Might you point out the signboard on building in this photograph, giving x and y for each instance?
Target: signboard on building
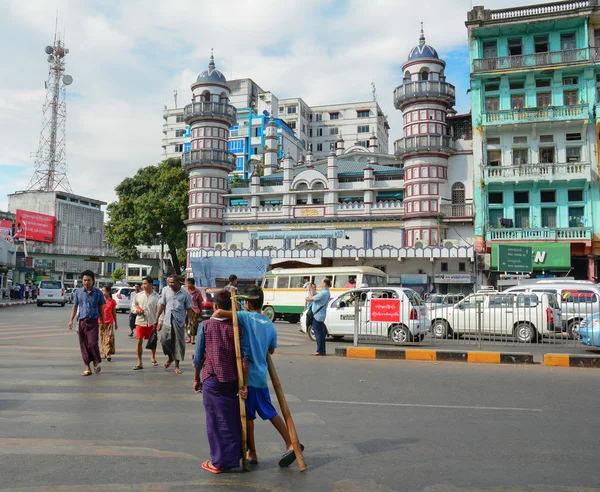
(308, 212)
(545, 256)
(513, 258)
(6, 230)
(414, 279)
(385, 310)
(453, 278)
(31, 226)
(297, 234)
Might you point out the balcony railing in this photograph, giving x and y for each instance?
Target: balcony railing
(545, 234)
(570, 170)
(534, 60)
(532, 115)
(425, 143)
(195, 157)
(457, 210)
(424, 89)
(205, 109)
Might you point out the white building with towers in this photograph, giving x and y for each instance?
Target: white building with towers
(409, 214)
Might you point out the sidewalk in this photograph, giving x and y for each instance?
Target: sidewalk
(9, 303)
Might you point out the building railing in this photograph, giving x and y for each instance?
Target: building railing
(206, 108)
(424, 143)
(455, 210)
(530, 115)
(425, 88)
(531, 10)
(558, 234)
(534, 60)
(359, 206)
(569, 170)
(194, 157)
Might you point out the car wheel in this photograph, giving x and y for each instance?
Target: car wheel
(525, 333)
(269, 312)
(400, 334)
(439, 328)
(337, 338)
(311, 334)
(573, 329)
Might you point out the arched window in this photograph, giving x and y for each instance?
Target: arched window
(458, 193)
(406, 76)
(318, 186)
(424, 74)
(224, 98)
(301, 187)
(206, 96)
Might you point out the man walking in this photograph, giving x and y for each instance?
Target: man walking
(132, 315)
(218, 383)
(319, 309)
(262, 339)
(176, 304)
(194, 318)
(87, 306)
(233, 281)
(145, 305)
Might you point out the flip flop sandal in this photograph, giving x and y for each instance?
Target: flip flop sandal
(167, 364)
(86, 373)
(289, 457)
(108, 358)
(253, 462)
(178, 371)
(154, 363)
(138, 368)
(97, 369)
(208, 466)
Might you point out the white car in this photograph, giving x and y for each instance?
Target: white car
(51, 292)
(412, 323)
(122, 294)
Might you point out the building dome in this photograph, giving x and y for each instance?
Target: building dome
(422, 50)
(211, 75)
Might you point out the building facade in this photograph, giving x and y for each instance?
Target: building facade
(175, 139)
(534, 84)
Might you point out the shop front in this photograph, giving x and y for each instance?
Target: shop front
(454, 283)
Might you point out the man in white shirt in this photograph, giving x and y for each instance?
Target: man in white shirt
(144, 306)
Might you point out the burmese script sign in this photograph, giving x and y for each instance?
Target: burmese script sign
(385, 310)
(31, 226)
(297, 234)
(300, 212)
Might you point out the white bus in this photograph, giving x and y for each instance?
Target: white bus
(285, 294)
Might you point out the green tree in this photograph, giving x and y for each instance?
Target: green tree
(151, 204)
(118, 274)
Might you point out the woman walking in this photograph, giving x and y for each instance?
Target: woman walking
(107, 331)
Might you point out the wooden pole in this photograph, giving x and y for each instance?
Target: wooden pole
(240, 371)
(287, 415)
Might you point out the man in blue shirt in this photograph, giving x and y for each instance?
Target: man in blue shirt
(319, 309)
(262, 339)
(88, 305)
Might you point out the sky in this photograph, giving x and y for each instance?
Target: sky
(128, 56)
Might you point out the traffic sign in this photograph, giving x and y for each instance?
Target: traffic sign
(515, 258)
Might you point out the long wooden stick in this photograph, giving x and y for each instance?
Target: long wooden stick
(287, 415)
(240, 371)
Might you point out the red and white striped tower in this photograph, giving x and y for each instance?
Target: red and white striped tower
(208, 161)
(424, 99)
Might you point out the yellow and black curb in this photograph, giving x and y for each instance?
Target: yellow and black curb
(435, 355)
(572, 360)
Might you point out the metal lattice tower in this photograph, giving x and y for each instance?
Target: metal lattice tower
(50, 159)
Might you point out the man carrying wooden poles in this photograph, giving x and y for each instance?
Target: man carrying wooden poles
(262, 341)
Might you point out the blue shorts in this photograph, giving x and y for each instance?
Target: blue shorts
(259, 401)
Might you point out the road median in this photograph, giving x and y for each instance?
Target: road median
(572, 360)
(4, 304)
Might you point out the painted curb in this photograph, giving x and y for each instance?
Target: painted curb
(12, 304)
(436, 355)
(572, 360)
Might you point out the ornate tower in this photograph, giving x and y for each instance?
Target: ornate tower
(424, 99)
(208, 161)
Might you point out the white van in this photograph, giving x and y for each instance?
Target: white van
(577, 299)
(524, 316)
(341, 311)
(51, 292)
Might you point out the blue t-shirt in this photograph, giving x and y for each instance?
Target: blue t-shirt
(262, 336)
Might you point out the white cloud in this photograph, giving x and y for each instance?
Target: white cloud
(127, 57)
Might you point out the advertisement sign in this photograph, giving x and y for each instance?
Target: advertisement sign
(6, 230)
(297, 234)
(515, 258)
(31, 226)
(545, 256)
(453, 278)
(385, 310)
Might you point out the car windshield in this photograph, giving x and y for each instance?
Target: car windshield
(435, 299)
(414, 298)
(47, 284)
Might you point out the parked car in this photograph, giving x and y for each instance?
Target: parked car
(412, 325)
(577, 299)
(122, 295)
(524, 316)
(434, 301)
(51, 292)
(69, 292)
(589, 331)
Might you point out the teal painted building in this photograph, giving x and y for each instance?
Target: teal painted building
(535, 80)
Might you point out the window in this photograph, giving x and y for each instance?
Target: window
(517, 85)
(319, 132)
(495, 197)
(521, 197)
(570, 98)
(573, 136)
(567, 41)
(283, 282)
(319, 147)
(362, 128)
(292, 110)
(549, 217)
(178, 147)
(303, 128)
(520, 140)
(570, 80)
(520, 156)
(548, 196)
(281, 109)
(490, 49)
(424, 75)
(291, 124)
(514, 47)
(541, 44)
(575, 195)
(333, 131)
(318, 116)
(493, 141)
(365, 113)
(179, 133)
(517, 102)
(492, 87)
(546, 138)
(458, 193)
(310, 133)
(462, 266)
(334, 116)
(364, 143)
(597, 37)
(492, 103)
(179, 118)
(576, 216)
(494, 158)
(495, 216)
(573, 154)
(544, 100)
(444, 266)
(522, 218)
(543, 83)
(547, 155)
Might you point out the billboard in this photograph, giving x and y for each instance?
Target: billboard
(32, 226)
(6, 230)
(385, 310)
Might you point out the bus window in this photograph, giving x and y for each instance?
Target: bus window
(374, 280)
(268, 283)
(283, 282)
(344, 281)
(297, 282)
(319, 278)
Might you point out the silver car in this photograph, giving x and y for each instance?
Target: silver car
(122, 294)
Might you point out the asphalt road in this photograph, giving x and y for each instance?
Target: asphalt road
(367, 424)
